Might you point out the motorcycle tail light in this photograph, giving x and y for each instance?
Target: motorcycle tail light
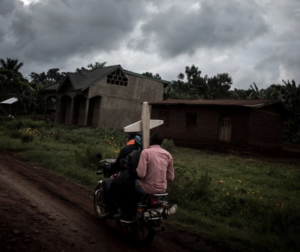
(154, 201)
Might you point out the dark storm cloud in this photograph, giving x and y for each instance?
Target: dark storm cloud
(6, 6)
(57, 29)
(216, 24)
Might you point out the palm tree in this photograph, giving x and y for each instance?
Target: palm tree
(11, 64)
(96, 65)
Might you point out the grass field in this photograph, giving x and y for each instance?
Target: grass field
(241, 203)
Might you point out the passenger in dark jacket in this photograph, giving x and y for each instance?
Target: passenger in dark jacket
(130, 146)
(111, 186)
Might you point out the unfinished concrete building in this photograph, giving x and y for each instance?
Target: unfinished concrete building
(108, 96)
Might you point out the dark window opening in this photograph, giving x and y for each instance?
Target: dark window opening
(117, 78)
(191, 119)
(165, 115)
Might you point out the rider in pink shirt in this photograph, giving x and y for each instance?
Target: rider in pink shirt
(155, 168)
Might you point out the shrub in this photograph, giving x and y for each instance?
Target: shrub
(168, 145)
(87, 157)
(2, 111)
(27, 138)
(16, 134)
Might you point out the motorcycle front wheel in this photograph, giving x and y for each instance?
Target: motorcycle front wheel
(143, 233)
(99, 202)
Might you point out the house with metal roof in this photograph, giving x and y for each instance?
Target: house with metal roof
(10, 105)
(221, 123)
(108, 96)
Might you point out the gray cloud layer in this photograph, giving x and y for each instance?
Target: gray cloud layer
(255, 40)
(213, 26)
(54, 30)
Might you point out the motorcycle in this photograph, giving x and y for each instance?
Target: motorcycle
(151, 210)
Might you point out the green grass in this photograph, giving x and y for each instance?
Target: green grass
(245, 202)
(242, 203)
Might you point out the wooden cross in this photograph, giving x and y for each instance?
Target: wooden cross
(144, 125)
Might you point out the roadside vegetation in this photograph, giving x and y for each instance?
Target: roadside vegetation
(243, 203)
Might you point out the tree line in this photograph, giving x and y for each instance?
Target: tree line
(189, 85)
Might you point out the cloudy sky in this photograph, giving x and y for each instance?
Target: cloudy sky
(253, 40)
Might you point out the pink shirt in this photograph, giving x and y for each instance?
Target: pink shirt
(155, 169)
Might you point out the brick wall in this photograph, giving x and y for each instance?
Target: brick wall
(249, 127)
(266, 127)
(240, 118)
(206, 131)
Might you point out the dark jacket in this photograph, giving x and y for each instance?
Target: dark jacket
(116, 167)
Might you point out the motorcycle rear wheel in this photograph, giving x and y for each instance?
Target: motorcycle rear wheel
(143, 233)
(99, 202)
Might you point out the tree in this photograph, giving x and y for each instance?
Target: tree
(96, 65)
(292, 102)
(198, 87)
(53, 76)
(11, 81)
(289, 95)
(11, 64)
(151, 75)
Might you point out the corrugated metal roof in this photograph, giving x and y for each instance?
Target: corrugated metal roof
(10, 101)
(242, 103)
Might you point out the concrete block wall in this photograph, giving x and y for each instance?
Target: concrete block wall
(122, 105)
(138, 88)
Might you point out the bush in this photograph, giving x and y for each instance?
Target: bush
(27, 138)
(16, 134)
(2, 111)
(87, 157)
(168, 145)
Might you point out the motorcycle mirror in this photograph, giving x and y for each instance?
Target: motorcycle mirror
(99, 157)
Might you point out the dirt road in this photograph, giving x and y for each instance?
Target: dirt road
(40, 211)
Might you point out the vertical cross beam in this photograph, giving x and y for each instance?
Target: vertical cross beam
(146, 125)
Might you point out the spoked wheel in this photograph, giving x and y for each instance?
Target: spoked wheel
(143, 233)
(99, 202)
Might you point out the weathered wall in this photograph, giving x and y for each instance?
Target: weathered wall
(240, 118)
(249, 127)
(121, 105)
(118, 113)
(204, 134)
(138, 88)
(266, 127)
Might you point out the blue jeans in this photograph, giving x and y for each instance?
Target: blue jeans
(138, 188)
